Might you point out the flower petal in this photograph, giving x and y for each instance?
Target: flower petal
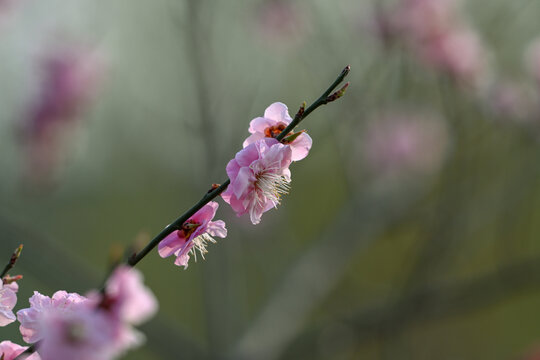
(170, 244)
(258, 125)
(300, 147)
(278, 112)
(217, 228)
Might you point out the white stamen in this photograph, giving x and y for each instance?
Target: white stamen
(200, 243)
(272, 186)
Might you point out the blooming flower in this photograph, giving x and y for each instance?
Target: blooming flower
(83, 334)
(195, 234)
(32, 328)
(127, 297)
(275, 120)
(8, 299)
(9, 351)
(259, 175)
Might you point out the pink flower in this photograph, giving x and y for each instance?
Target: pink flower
(8, 299)
(459, 52)
(82, 334)
(532, 58)
(129, 300)
(275, 120)
(69, 82)
(259, 175)
(32, 328)
(9, 351)
(398, 145)
(196, 232)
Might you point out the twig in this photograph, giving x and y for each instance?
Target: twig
(12, 261)
(177, 224)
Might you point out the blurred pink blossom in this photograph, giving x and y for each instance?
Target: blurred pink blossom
(31, 327)
(127, 298)
(511, 100)
(404, 144)
(83, 334)
(275, 120)
(196, 232)
(71, 75)
(259, 175)
(439, 34)
(280, 21)
(532, 59)
(8, 299)
(9, 351)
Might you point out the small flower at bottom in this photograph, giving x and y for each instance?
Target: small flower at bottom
(194, 235)
(275, 120)
(31, 327)
(259, 175)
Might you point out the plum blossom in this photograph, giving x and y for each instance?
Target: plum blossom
(9, 351)
(71, 75)
(8, 299)
(84, 334)
(259, 176)
(275, 120)
(532, 59)
(401, 144)
(195, 234)
(439, 34)
(32, 328)
(127, 297)
(96, 327)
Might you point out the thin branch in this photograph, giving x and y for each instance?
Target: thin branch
(13, 259)
(177, 224)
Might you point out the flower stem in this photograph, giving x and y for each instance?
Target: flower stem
(177, 224)
(12, 260)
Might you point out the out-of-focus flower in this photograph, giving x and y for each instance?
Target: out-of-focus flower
(70, 79)
(9, 351)
(460, 53)
(32, 328)
(275, 120)
(397, 145)
(511, 100)
(84, 334)
(196, 232)
(532, 59)
(439, 34)
(259, 175)
(97, 327)
(8, 299)
(127, 298)
(280, 21)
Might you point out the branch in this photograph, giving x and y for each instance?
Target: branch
(12, 261)
(301, 115)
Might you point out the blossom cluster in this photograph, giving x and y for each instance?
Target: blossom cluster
(440, 35)
(100, 324)
(259, 175)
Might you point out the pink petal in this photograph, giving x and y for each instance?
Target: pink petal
(243, 182)
(170, 244)
(182, 260)
(258, 125)
(278, 112)
(253, 138)
(206, 213)
(300, 147)
(217, 228)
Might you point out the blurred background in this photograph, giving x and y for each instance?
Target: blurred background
(412, 228)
